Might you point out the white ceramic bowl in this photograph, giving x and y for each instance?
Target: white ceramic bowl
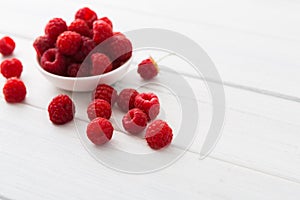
(85, 84)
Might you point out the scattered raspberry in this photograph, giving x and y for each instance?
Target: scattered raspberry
(148, 69)
(80, 26)
(101, 31)
(55, 27)
(99, 131)
(61, 109)
(54, 62)
(149, 103)
(158, 134)
(100, 64)
(68, 42)
(99, 108)
(42, 44)
(11, 68)
(126, 99)
(105, 92)
(87, 46)
(88, 15)
(135, 121)
(107, 20)
(14, 90)
(7, 46)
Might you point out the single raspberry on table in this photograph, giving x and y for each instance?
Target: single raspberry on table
(7, 46)
(99, 131)
(55, 27)
(69, 42)
(158, 134)
(88, 15)
(126, 99)
(14, 90)
(135, 121)
(149, 103)
(61, 109)
(99, 108)
(101, 31)
(11, 68)
(87, 46)
(107, 20)
(100, 64)
(148, 68)
(54, 62)
(42, 44)
(80, 26)
(105, 92)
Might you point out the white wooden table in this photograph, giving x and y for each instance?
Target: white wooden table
(255, 46)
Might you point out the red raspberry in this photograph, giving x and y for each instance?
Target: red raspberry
(158, 134)
(42, 44)
(7, 46)
(87, 46)
(148, 69)
(100, 64)
(99, 131)
(135, 121)
(126, 99)
(101, 31)
(11, 68)
(149, 103)
(78, 70)
(68, 42)
(106, 93)
(14, 90)
(107, 20)
(99, 108)
(88, 15)
(55, 27)
(61, 109)
(54, 62)
(80, 26)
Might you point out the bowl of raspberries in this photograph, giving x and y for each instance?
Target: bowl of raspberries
(83, 54)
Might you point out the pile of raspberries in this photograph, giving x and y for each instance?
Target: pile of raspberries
(88, 46)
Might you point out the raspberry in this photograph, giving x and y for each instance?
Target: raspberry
(14, 90)
(100, 64)
(149, 103)
(80, 26)
(135, 121)
(68, 42)
(158, 134)
(55, 27)
(61, 109)
(126, 99)
(99, 108)
(54, 62)
(87, 46)
(42, 44)
(148, 69)
(99, 131)
(78, 70)
(107, 20)
(11, 68)
(7, 46)
(101, 31)
(88, 15)
(106, 93)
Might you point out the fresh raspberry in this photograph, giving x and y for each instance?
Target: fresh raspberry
(88, 15)
(100, 64)
(101, 31)
(55, 27)
(107, 20)
(54, 62)
(99, 131)
(135, 121)
(68, 42)
(99, 108)
(126, 99)
(158, 134)
(7, 46)
(11, 68)
(149, 103)
(80, 26)
(78, 70)
(87, 46)
(42, 44)
(14, 90)
(61, 109)
(148, 69)
(105, 92)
